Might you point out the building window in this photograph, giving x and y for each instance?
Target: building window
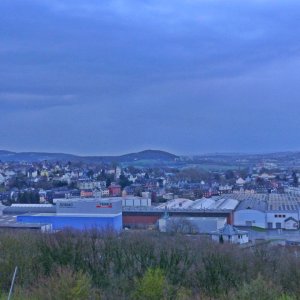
(276, 216)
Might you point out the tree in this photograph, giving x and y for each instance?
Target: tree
(152, 286)
(102, 175)
(229, 174)
(90, 173)
(257, 289)
(295, 179)
(108, 182)
(221, 239)
(62, 284)
(181, 225)
(28, 197)
(123, 181)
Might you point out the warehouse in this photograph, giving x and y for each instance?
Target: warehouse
(179, 203)
(81, 214)
(282, 213)
(269, 211)
(130, 201)
(251, 212)
(215, 203)
(191, 224)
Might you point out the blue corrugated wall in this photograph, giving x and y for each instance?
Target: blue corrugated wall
(61, 222)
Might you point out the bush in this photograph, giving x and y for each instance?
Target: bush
(63, 284)
(152, 286)
(257, 289)
(143, 265)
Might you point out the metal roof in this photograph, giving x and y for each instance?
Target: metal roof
(229, 230)
(268, 202)
(31, 205)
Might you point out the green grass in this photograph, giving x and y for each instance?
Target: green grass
(259, 229)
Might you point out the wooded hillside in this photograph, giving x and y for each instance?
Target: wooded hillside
(143, 265)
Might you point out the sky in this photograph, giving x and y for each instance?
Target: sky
(97, 77)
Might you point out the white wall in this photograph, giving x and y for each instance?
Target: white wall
(136, 201)
(235, 239)
(291, 225)
(281, 216)
(256, 217)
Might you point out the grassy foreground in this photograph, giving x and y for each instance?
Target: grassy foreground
(143, 265)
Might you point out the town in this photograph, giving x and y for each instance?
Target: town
(149, 151)
(258, 196)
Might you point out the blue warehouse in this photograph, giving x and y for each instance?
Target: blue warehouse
(103, 214)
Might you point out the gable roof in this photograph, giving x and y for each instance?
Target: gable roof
(229, 230)
(290, 219)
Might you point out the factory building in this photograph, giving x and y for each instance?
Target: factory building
(282, 213)
(269, 211)
(199, 216)
(131, 201)
(104, 214)
(177, 203)
(251, 212)
(215, 203)
(191, 224)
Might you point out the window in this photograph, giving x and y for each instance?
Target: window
(276, 216)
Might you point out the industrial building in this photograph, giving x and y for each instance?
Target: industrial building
(191, 224)
(215, 203)
(104, 214)
(218, 203)
(129, 201)
(269, 211)
(251, 212)
(199, 216)
(177, 203)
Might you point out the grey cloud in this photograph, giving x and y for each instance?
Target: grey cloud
(201, 72)
(16, 101)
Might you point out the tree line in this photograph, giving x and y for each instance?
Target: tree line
(143, 265)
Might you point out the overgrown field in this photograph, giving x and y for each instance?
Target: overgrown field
(143, 265)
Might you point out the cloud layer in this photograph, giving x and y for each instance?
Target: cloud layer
(101, 77)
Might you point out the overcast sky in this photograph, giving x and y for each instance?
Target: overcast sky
(115, 76)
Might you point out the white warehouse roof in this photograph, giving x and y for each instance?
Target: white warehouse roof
(218, 203)
(177, 203)
(30, 205)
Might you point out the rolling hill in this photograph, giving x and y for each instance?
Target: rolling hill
(146, 155)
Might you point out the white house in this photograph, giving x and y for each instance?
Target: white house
(291, 224)
(240, 181)
(104, 192)
(230, 234)
(2, 178)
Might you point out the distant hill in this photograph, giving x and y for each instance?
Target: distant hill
(146, 155)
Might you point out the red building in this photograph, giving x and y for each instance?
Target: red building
(86, 193)
(114, 190)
